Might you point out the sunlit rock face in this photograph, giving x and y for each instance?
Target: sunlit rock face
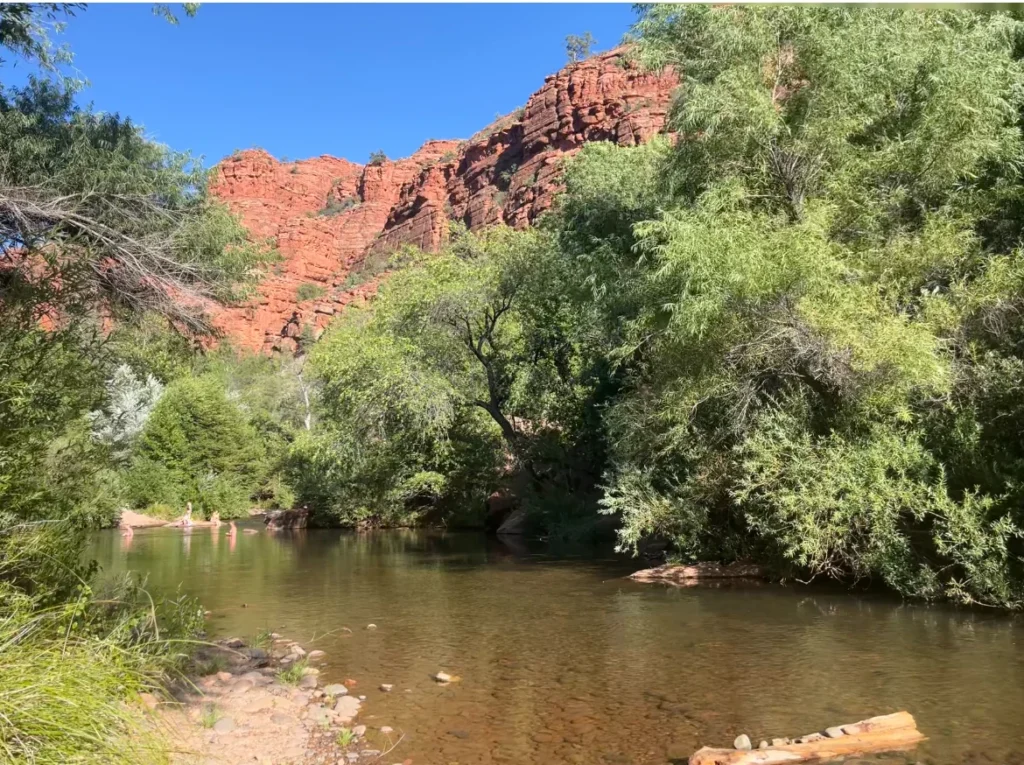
(326, 215)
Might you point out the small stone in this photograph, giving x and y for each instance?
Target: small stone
(742, 742)
(297, 650)
(352, 756)
(308, 682)
(834, 732)
(763, 745)
(371, 626)
(256, 654)
(386, 729)
(224, 676)
(224, 725)
(242, 686)
(443, 677)
(314, 655)
(336, 689)
(234, 643)
(310, 671)
(780, 741)
(350, 683)
(359, 730)
(369, 753)
(275, 636)
(386, 687)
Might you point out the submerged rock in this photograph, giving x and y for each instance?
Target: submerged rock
(336, 689)
(742, 742)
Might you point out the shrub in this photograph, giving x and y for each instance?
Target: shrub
(377, 158)
(309, 291)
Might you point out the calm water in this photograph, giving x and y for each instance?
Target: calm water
(564, 661)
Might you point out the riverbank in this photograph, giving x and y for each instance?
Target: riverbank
(266, 705)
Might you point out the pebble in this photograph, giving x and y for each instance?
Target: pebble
(297, 650)
(224, 676)
(386, 729)
(834, 732)
(362, 698)
(314, 655)
(336, 689)
(308, 682)
(371, 626)
(386, 687)
(763, 745)
(224, 725)
(352, 756)
(234, 643)
(742, 742)
(359, 730)
(443, 677)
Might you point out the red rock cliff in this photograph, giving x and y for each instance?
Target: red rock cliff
(327, 215)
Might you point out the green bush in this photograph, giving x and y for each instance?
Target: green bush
(309, 291)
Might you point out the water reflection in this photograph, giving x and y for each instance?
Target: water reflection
(563, 661)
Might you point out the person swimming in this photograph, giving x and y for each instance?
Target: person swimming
(232, 531)
(187, 520)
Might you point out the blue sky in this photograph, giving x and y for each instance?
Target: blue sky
(305, 80)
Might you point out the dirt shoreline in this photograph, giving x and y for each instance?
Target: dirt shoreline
(267, 706)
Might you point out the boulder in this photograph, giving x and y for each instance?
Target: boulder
(287, 519)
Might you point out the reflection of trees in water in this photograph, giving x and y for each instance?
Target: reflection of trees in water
(546, 643)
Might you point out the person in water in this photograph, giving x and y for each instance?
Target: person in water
(187, 520)
(232, 531)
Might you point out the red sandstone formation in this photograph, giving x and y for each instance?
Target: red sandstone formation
(327, 215)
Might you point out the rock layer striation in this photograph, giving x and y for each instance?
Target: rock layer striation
(334, 222)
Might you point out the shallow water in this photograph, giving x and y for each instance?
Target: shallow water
(563, 661)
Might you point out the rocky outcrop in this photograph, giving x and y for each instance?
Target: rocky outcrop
(335, 222)
(287, 519)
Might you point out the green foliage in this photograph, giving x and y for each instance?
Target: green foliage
(791, 336)
(377, 158)
(309, 291)
(579, 47)
(336, 206)
(294, 673)
(345, 737)
(209, 715)
(197, 446)
(802, 337)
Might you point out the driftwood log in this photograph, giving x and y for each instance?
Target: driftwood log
(698, 572)
(877, 734)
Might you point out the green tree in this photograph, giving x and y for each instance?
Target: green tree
(579, 47)
(197, 446)
(808, 295)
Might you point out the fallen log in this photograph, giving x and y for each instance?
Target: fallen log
(697, 572)
(877, 734)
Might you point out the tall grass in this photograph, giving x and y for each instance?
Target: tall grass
(73, 660)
